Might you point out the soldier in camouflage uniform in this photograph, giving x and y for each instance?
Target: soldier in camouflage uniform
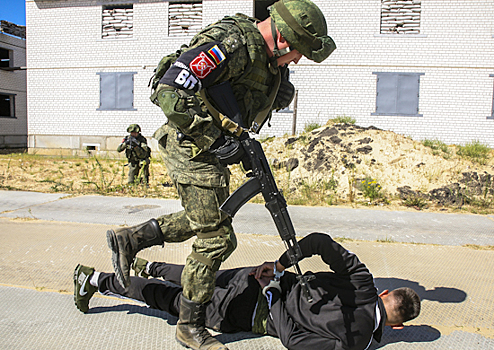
(137, 152)
(248, 58)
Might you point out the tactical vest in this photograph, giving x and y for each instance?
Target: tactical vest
(256, 80)
(259, 76)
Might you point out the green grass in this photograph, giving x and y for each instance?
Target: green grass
(309, 126)
(475, 151)
(438, 148)
(415, 202)
(370, 188)
(342, 119)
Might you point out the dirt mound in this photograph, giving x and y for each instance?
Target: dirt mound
(356, 164)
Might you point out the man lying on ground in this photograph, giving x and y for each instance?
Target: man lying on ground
(346, 311)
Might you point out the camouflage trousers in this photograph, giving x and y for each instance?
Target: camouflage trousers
(202, 185)
(135, 168)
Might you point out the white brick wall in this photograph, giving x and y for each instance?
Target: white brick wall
(13, 131)
(454, 51)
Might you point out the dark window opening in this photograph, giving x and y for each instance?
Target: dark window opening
(261, 11)
(5, 59)
(7, 105)
(90, 148)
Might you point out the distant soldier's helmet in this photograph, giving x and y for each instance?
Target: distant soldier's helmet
(303, 25)
(134, 128)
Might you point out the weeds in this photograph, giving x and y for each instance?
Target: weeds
(316, 193)
(475, 151)
(309, 126)
(386, 240)
(370, 188)
(438, 148)
(416, 202)
(342, 119)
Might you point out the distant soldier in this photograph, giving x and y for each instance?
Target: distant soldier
(138, 154)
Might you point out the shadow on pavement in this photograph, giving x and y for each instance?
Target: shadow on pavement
(409, 334)
(135, 309)
(439, 294)
(171, 320)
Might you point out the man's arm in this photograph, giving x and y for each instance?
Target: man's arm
(122, 146)
(292, 336)
(339, 259)
(194, 70)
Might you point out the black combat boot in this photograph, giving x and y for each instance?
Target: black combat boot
(191, 329)
(127, 241)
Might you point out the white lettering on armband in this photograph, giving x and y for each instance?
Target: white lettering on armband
(186, 79)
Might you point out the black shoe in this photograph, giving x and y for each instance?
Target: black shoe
(126, 242)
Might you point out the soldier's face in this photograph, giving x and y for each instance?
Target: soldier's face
(293, 56)
(134, 134)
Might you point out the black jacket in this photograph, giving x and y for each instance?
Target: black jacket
(342, 313)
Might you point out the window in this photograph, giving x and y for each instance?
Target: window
(184, 18)
(7, 104)
(400, 16)
(261, 9)
(117, 91)
(117, 22)
(5, 58)
(492, 110)
(397, 94)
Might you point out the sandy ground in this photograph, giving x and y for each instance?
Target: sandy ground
(338, 164)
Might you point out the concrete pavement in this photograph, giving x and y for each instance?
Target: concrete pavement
(44, 236)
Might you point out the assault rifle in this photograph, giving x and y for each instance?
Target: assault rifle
(131, 141)
(261, 181)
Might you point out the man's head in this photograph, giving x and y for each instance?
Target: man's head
(402, 304)
(134, 129)
(302, 24)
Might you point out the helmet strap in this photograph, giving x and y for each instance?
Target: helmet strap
(277, 52)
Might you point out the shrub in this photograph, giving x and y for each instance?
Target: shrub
(343, 119)
(311, 126)
(475, 151)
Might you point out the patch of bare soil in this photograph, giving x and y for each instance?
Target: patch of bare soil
(349, 164)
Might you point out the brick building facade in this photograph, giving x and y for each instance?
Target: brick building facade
(13, 105)
(420, 68)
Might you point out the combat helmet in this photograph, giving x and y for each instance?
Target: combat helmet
(303, 25)
(134, 128)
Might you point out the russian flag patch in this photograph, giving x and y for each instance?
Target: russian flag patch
(217, 54)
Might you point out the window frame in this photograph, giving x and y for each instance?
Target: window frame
(118, 34)
(399, 88)
(12, 105)
(10, 53)
(106, 96)
(172, 30)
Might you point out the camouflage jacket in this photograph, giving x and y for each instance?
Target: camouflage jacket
(233, 50)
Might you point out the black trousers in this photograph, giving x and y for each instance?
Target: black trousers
(230, 310)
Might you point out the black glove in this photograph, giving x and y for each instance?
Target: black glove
(229, 150)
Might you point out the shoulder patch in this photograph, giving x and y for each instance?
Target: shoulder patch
(217, 54)
(202, 65)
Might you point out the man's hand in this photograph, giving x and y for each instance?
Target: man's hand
(264, 270)
(228, 150)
